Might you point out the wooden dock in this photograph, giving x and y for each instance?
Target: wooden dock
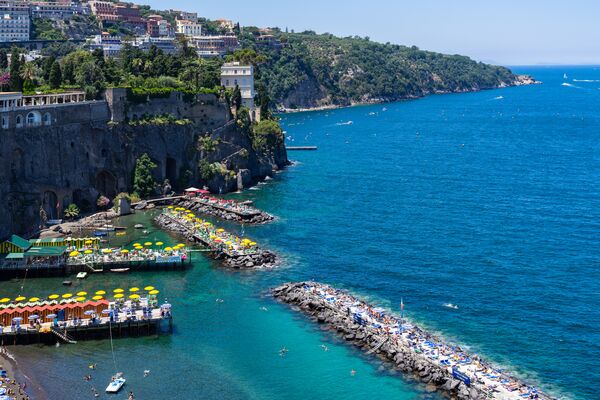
(295, 148)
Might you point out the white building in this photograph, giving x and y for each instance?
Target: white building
(189, 28)
(14, 22)
(234, 74)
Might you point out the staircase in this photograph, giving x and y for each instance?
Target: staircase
(63, 336)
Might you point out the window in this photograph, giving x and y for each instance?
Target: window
(30, 118)
(4, 122)
(19, 121)
(47, 119)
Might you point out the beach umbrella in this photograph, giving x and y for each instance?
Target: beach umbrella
(134, 289)
(170, 207)
(96, 298)
(118, 296)
(106, 250)
(188, 211)
(50, 316)
(106, 311)
(100, 292)
(20, 298)
(32, 317)
(252, 243)
(148, 244)
(124, 251)
(134, 296)
(168, 249)
(17, 319)
(67, 295)
(136, 245)
(166, 305)
(159, 243)
(88, 312)
(88, 252)
(4, 300)
(80, 299)
(74, 254)
(82, 293)
(53, 296)
(88, 242)
(118, 290)
(153, 292)
(220, 230)
(34, 299)
(149, 288)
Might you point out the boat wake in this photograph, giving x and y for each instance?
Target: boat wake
(450, 305)
(345, 123)
(586, 80)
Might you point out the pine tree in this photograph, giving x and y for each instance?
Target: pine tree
(55, 77)
(236, 98)
(3, 59)
(143, 181)
(16, 82)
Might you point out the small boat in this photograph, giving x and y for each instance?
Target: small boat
(116, 384)
(119, 270)
(122, 233)
(100, 234)
(138, 226)
(106, 228)
(67, 283)
(565, 76)
(81, 275)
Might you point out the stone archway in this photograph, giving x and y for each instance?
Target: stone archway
(50, 204)
(106, 184)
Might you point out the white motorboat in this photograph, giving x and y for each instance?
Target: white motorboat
(81, 275)
(116, 384)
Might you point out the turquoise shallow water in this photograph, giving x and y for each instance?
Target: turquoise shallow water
(487, 200)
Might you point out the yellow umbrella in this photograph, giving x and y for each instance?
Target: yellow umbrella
(118, 295)
(100, 292)
(88, 242)
(136, 245)
(82, 293)
(188, 211)
(4, 300)
(124, 251)
(97, 298)
(153, 292)
(169, 207)
(148, 244)
(134, 289)
(88, 252)
(159, 243)
(53, 296)
(74, 254)
(149, 288)
(20, 298)
(168, 249)
(220, 230)
(118, 290)
(134, 296)
(67, 295)
(106, 250)
(80, 299)
(34, 299)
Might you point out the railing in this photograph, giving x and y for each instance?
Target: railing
(63, 335)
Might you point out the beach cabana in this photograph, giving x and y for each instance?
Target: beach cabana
(15, 244)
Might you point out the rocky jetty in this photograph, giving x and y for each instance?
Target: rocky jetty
(260, 259)
(253, 218)
(403, 348)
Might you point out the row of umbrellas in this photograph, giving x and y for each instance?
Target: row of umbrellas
(81, 296)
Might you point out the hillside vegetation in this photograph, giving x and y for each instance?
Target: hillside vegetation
(313, 70)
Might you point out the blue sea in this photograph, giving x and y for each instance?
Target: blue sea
(489, 201)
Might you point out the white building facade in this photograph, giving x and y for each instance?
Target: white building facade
(14, 22)
(189, 28)
(235, 74)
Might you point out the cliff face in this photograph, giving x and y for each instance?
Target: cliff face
(90, 149)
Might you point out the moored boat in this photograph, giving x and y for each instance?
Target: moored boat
(116, 383)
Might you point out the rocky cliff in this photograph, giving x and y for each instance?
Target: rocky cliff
(89, 149)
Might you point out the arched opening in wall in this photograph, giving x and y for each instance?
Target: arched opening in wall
(4, 122)
(171, 170)
(106, 184)
(19, 121)
(50, 204)
(47, 119)
(17, 165)
(34, 118)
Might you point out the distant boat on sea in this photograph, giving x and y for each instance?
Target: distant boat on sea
(565, 76)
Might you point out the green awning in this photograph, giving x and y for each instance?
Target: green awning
(14, 256)
(46, 241)
(46, 251)
(20, 242)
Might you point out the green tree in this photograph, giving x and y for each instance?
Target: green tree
(143, 181)
(266, 135)
(3, 59)
(236, 98)
(16, 82)
(55, 77)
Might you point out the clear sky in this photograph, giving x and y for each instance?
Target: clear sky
(509, 32)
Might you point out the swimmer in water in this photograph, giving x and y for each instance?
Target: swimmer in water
(264, 309)
(325, 348)
(352, 372)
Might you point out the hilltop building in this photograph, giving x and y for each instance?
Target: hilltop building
(235, 74)
(184, 15)
(15, 22)
(214, 46)
(188, 28)
(157, 26)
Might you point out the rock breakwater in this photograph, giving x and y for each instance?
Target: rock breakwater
(407, 347)
(235, 212)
